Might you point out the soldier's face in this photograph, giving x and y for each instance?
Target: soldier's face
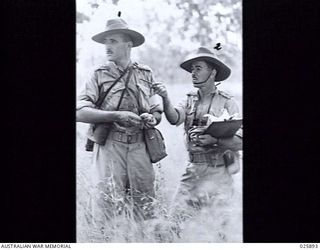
(116, 47)
(200, 72)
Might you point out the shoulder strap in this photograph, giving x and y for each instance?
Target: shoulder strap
(104, 94)
(196, 107)
(211, 103)
(125, 88)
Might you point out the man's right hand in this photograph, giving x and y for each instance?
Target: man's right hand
(128, 119)
(160, 89)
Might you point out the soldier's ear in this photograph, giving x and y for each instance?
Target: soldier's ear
(214, 72)
(130, 44)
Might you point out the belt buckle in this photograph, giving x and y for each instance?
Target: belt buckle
(215, 161)
(191, 156)
(129, 138)
(120, 136)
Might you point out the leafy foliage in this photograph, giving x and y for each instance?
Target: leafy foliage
(173, 34)
(80, 18)
(207, 22)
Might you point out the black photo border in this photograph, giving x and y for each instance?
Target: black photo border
(281, 71)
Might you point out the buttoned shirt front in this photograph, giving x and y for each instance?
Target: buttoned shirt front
(193, 109)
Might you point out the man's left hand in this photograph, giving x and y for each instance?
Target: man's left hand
(205, 140)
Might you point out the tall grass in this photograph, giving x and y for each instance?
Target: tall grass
(207, 226)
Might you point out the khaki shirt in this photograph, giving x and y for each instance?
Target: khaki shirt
(191, 109)
(138, 99)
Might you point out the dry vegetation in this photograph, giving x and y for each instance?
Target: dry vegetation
(203, 228)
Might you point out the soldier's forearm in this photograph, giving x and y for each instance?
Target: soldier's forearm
(170, 112)
(157, 116)
(91, 115)
(232, 143)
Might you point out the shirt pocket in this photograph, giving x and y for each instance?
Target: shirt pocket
(191, 106)
(216, 111)
(113, 97)
(145, 89)
(190, 113)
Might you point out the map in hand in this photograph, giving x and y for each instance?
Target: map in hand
(224, 125)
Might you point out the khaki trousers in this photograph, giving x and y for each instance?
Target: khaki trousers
(204, 189)
(122, 175)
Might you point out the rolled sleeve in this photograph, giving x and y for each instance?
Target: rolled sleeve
(83, 103)
(155, 104)
(232, 107)
(155, 101)
(89, 94)
(181, 111)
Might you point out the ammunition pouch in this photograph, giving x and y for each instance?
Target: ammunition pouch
(232, 161)
(155, 144)
(212, 158)
(97, 133)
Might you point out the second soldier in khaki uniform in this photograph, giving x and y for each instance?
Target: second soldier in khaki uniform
(207, 180)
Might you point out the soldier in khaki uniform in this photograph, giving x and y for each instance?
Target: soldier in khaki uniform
(121, 166)
(207, 181)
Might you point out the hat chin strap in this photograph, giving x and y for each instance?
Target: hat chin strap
(200, 83)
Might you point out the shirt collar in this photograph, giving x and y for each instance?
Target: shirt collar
(114, 67)
(121, 70)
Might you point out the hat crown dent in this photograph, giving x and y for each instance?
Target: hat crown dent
(203, 53)
(200, 52)
(203, 50)
(116, 24)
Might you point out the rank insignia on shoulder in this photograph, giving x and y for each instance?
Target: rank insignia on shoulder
(225, 94)
(103, 67)
(142, 67)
